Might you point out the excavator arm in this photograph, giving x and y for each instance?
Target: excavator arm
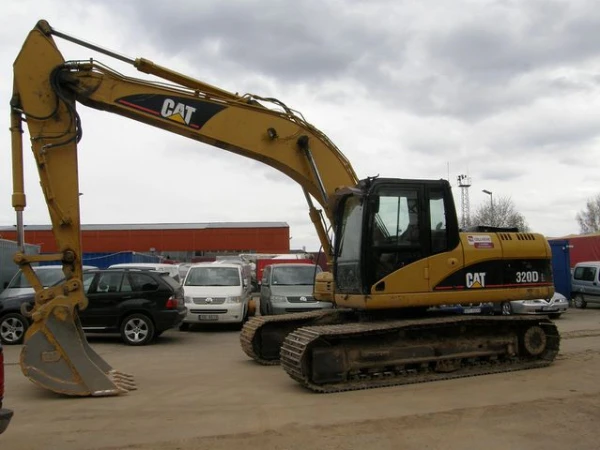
(45, 95)
(47, 89)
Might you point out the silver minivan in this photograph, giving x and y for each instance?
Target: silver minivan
(288, 287)
(585, 283)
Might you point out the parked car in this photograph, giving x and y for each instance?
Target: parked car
(467, 308)
(585, 283)
(171, 269)
(216, 292)
(138, 304)
(5, 414)
(48, 275)
(287, 288)
(553, 307)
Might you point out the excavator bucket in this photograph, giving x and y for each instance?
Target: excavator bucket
(57, 356)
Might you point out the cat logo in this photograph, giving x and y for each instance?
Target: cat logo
(177, 111)
(476, 280)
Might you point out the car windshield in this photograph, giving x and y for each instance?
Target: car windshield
(213, 276)
(48, 277)
(294, 275)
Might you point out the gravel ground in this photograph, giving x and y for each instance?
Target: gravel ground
(197, 390)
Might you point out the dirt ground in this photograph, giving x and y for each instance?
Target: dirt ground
(198, 390)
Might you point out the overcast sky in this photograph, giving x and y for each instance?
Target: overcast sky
(507, 92)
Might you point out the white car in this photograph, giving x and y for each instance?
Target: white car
(215, 292)
(553, 307)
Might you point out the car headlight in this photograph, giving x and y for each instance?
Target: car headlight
(278, 299)
(188, 299)
(236, 299)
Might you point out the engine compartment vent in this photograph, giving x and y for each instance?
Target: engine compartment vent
(517, 236)
(525, 237)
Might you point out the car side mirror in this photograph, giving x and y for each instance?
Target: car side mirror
(5, 284)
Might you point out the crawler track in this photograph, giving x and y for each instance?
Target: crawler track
(262, 336)
(364, 355)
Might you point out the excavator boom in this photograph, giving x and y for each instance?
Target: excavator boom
(45, 95)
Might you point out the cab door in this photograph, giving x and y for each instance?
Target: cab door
(446, 256)
(398, 238)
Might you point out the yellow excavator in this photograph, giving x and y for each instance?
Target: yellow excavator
(397, 248)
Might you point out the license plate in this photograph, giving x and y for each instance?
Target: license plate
(549, 308)
(208, 317)
(472, 310)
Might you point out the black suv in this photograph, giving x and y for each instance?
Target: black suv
(138, 304)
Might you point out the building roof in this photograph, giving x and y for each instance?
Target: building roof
(159, 226)
(575, 236)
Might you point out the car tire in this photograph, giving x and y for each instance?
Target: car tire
(554, 315)
(12, 328)
(184, 327)
(137, 329)
(579, 302)
(506, 309)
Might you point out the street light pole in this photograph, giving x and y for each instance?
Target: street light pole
(485, 191)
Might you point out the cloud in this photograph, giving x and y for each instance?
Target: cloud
(504, 91)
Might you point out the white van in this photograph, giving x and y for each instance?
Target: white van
(48, 275)
(171, 269)
(585, 283)
(215, 292)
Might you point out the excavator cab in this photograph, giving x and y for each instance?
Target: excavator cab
(398, 222)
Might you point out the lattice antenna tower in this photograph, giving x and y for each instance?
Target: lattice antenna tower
(464, 182)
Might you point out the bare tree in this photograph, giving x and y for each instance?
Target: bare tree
(499, 213)
(589, 218)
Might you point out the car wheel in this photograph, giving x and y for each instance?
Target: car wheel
(554, 316)
(506, 308)
(12, 328)
(184, 327)
(137, 329)
(579, 302)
